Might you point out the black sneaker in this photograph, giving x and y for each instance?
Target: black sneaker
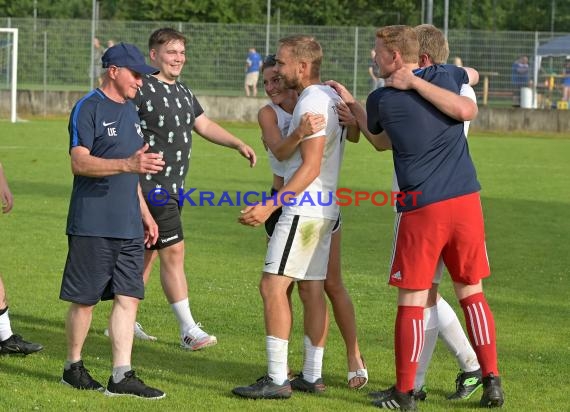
(300, 384)
(493, 396)
(78, 377)
(264, 388)
(394, 399)
(419, 395)
(131, 385)
(466, 384)
(15, 345)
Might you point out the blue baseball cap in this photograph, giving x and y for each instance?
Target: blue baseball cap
(129, 56)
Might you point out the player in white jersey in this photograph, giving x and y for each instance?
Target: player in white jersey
(299, 248)
(274, 120)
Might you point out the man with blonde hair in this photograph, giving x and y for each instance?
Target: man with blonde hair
(439, 317)
(300, 245)
(426, 231)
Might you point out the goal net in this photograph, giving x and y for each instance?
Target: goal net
(8, 72)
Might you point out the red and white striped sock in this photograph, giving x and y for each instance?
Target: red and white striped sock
(408, 345)
(481, 329)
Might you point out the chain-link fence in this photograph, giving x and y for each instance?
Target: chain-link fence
(55, 54)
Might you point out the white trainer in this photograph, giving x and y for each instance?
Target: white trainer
(139, 333)
(195, 338)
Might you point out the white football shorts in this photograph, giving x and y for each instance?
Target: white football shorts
(299, 247)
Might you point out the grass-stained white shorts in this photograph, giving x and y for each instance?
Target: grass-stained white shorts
(299, 247)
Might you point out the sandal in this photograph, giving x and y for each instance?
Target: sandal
(359, 374)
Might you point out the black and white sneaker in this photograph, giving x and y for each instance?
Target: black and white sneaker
(466, 384)
(418, 394)
(16, 345)
(78, 377)
(264, 388)
(299, 383)
(131, 385)
(394, 399)
(493, 396)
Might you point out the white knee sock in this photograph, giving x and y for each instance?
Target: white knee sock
(276, 359)
(431, 330)
(182, 311)
(313, 362)
(453, 335)
(5, 328)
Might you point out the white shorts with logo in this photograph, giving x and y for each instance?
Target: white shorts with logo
(299, 247)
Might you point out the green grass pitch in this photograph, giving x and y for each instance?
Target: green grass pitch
(526, 202)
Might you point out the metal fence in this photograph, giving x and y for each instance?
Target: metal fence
(55, 54)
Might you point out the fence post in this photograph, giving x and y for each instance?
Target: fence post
(535, 72)
(45, 73)
(355, 71)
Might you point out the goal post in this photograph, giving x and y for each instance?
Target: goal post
(11, 46)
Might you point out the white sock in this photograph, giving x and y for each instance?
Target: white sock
(182, 311)
(453, 335)
(276, 359)
(313, 362)
(431, 330)
(5, 328)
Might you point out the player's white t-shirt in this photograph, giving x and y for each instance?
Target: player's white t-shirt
(283, 120)
(466, 91)
(319, 199)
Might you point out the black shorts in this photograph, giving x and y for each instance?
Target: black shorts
(98, 268)
(167, 218)
(274, 218)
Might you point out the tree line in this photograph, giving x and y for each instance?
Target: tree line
(512, 15)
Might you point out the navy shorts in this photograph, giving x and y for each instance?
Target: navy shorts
(167, 218)
(98, 268)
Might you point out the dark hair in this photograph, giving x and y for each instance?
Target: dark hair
(163, 36)
(269, 61)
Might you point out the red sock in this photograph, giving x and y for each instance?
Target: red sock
(481, 329)
(408, 344)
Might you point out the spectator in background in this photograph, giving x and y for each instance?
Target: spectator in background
(252, 66)
(97, 67)
(520, 72)
(566, 80)
(374, 72)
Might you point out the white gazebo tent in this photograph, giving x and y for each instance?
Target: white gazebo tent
(559, 46)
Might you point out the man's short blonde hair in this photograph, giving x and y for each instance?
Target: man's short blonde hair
(402, 39)
(432, 43)
(306, 48)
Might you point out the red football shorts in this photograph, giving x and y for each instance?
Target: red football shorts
(452, 229)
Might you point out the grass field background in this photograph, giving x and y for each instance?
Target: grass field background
(526, 202)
